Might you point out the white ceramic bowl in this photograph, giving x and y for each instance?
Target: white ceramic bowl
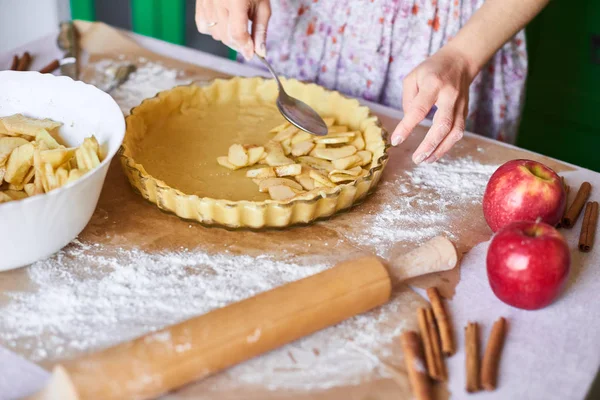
(37, 227)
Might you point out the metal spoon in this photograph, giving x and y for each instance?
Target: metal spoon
(295, 111)
(121, 76)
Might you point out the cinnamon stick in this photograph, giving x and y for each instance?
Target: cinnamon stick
(491, 357)
(24, 62)
(434, 337)
(15, 63)
(472, 357)
(575, 209)
(567, 191)
(50, 68)
(588, 227)
(443, 322)
(427, 344)
(413, 357)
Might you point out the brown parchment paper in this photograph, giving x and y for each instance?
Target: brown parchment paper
(124, 220)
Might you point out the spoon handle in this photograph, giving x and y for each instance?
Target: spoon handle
(268, 65)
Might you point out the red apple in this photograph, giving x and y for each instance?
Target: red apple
(523, 190)
(528, 264)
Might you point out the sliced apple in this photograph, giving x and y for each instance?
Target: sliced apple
(365, 157)
(279, 128)
(28, 178)
(261, 173)
(238, 155)
(7, 145)
(88, 154)
(287, 133)
(224, 162)
(347, 162)
(288, 170)
(321, 179)
(337, 129)
(4, 198)
(62, 176)
(286, 145)
(264, 184)
(334, 153)
(275, 155)
(302, 148)
(306, 181)
(43, 136)
(75, 174)
(23, 125)
(334, 140)
(57, 156)
(281, 192)
(15, 194)
(301, 137)
(359, 141)
(316, 163)
(18, 164)
(329, 121)
(30, 189)
(255, 153)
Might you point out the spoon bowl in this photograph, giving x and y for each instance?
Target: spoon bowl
(298, 113)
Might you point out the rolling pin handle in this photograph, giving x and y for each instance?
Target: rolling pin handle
(435, 255)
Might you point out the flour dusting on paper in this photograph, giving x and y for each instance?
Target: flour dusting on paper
(462, 179)
(85, 300)
(417, 205)
(149, 79)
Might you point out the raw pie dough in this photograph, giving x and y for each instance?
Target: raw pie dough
(173, 142)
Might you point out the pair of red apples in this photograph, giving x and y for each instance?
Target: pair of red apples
(528, 260)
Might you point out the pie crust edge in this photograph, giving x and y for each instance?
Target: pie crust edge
(267, 213)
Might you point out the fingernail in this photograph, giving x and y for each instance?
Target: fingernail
(248, 51)
(262, 50)
(396, 140)
(431, 159)
(420, 158)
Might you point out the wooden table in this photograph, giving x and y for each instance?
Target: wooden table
(124, 219)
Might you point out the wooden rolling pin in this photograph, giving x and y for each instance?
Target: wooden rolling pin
(162, 361)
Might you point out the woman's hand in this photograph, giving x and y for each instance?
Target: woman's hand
(227, 21)
(442, 80)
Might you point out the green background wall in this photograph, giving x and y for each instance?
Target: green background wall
(562, 106)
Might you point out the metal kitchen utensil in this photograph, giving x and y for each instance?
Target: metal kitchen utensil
(67, 41)
(121, 76)
(295, 111)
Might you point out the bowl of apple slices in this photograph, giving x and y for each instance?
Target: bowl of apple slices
(57, 138)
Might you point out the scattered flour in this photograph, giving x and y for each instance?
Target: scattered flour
(85, 300)
(436, 189)
(149, 79)
(461, 179)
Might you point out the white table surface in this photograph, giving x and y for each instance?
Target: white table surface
(552, 353)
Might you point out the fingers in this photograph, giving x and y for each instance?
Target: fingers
(200, 17)
(455, 134)
(220, 31)
(417, 111)
(409, 90)
(238, 31)
(443, 121)
(260, 23)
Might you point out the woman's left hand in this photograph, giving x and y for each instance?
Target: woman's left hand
(442, 80)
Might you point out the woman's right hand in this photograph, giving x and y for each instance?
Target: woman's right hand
(227, 21)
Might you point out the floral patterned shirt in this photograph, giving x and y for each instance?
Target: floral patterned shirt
(365, 48)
